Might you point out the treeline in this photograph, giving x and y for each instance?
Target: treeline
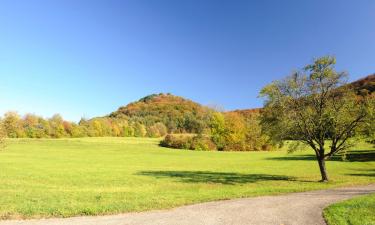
(157, 115)
(152, 116)
(33, 126)
(229, 131)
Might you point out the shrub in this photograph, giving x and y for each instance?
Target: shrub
(202, 143)
(267, 147)
(156, 130)
(139, 130)
(179, 141)
(186, 141)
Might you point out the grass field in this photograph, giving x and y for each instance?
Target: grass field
(66, 177)
(357, 211)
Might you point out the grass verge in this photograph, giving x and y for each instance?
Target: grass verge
(356, 211)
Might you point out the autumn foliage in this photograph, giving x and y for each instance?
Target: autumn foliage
(157, 115)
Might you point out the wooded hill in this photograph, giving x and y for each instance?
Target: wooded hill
(364, 85)
(176, 113)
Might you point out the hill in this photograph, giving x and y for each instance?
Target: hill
(248, 112)
(361, 86)
(177, 113)
(366, 84)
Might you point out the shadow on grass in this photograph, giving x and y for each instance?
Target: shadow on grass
(360, 156)
(365, 173)
(352, 156)
(214, 177)
(293, 157)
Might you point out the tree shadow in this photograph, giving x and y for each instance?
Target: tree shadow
(293, 157)
(351, 156)
(214, 177)
(358, 156)
(364, 173)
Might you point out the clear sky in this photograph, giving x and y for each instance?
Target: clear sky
(87, 58)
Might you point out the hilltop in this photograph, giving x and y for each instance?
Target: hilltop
(366, 84)
(177, 113)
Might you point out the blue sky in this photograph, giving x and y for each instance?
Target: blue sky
(87, 58)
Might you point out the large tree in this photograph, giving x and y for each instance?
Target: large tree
(314, 106)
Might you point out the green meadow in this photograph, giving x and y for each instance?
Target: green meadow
(356, 211)
(94, 176)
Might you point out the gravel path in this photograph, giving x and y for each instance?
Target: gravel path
(297, 208)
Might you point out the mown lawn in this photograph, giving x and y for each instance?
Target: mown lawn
(357, 211)
(88, 176)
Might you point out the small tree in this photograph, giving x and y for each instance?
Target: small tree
(235, 132)
(139, 130)
(12, 125)
(217, 125)
(312, 106)
(57, 126)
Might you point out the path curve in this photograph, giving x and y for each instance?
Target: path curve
(296, 208)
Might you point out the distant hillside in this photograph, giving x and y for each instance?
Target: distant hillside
(177, 113)
(366, 84)
(248, 112)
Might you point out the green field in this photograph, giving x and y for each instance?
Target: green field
(66, 177)
(357, 211)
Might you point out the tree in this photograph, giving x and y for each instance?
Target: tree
(192, 124)
(314, 106)
(115, 129)
(218, 131)
(255, 139)
(78, 131)
(44, 128)
(139, 130)
(235, 132)
(156, 130)
(161, 128)
(12, 125)
(128, 131)
(57, 126)
(98, 128)
(30, 126)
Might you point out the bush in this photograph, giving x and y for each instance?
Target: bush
(267, 147)
(179, 141)
(156, 130)
(186, 141)
(202, 143)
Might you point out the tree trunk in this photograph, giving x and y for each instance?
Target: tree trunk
(322, 167)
